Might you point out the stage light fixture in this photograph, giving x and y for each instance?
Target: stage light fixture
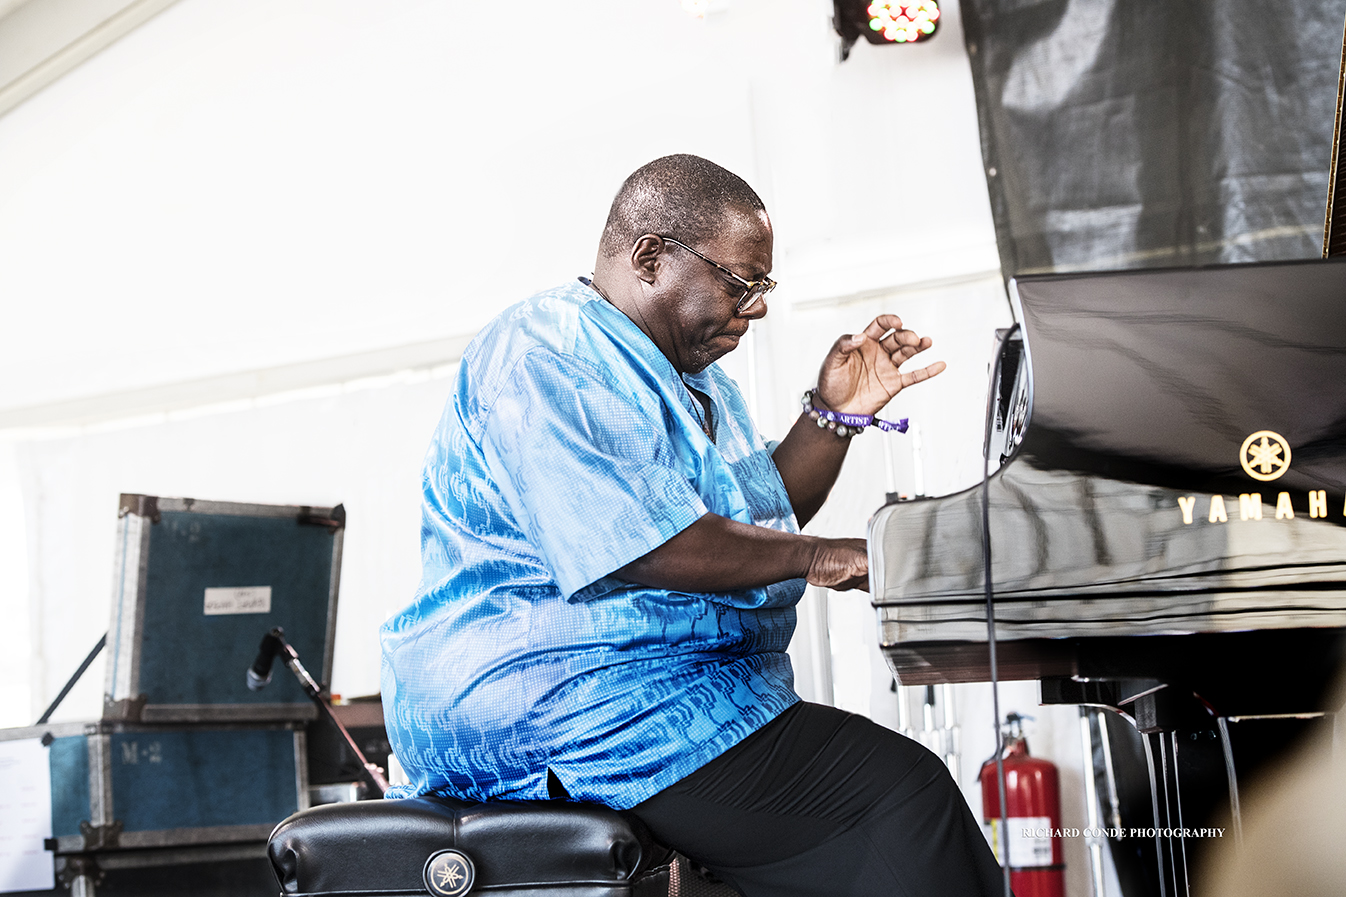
(904, 22)
(883, 22)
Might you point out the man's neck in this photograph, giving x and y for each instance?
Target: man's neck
(622, 292)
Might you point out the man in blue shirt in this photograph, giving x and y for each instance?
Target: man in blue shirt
(611, 562)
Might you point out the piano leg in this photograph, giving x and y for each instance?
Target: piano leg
(1235, 811)
(1097, 818)
(1170, 837)
(1194, 787)
(1155, 779)
(1170, 771)
(1122, 801)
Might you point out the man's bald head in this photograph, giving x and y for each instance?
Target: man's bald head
(681, 196)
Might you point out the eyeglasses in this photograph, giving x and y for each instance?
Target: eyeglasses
(753, 290)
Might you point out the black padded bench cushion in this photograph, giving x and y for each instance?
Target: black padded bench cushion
(380, 847)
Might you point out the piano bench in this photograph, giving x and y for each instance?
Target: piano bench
(450, 848)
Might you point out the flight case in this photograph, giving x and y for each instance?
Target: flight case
(123, 786)
(196, 586)
(186, 756)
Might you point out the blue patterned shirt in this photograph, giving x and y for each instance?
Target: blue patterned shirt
(568, 449)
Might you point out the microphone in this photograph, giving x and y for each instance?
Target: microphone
(259, 674)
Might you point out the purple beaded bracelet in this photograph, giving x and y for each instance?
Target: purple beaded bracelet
(846, 425)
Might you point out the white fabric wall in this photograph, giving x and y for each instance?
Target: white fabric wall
(245, 183)
(360, 444)
(258, 185)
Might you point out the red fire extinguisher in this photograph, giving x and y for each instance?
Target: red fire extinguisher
(1033, 802)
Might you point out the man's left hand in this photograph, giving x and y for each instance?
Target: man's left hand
(860, 374)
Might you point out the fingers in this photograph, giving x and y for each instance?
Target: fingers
(882, 325)
(898, 342)
(910, 378)
(905, 339)
(888, 332)
(863, 372)
(840, 564)
(926, 372)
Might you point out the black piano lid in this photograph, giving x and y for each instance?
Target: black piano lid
(1158, 376)
(1140, 389)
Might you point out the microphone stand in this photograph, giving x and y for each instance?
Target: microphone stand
(314, 691)
(46, 715)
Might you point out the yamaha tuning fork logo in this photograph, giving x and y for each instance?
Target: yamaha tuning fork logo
(449, 873)
(1265, 457)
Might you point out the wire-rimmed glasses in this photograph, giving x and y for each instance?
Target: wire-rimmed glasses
(753, 290)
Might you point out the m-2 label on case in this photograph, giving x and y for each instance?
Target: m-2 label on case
(244, 600)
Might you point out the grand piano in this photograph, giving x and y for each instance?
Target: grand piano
(1167, 522)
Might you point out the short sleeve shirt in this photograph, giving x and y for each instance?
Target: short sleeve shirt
(569, 448)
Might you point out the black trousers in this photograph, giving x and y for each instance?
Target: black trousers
(824, 803)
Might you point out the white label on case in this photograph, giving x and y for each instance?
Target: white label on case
(245, 600)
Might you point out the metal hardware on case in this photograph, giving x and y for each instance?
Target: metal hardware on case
(301, 787)
(141, 505)
(211, 837)
(71, 869)
(100, 779)
(128, 710)
(101, 837)
(333, 523)
(226, 713)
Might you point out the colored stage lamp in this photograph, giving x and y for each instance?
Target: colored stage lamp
(883, 22)
(903, 23)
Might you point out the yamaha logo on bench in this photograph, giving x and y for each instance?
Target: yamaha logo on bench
(449, 873)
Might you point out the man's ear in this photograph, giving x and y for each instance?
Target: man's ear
(645, 257)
